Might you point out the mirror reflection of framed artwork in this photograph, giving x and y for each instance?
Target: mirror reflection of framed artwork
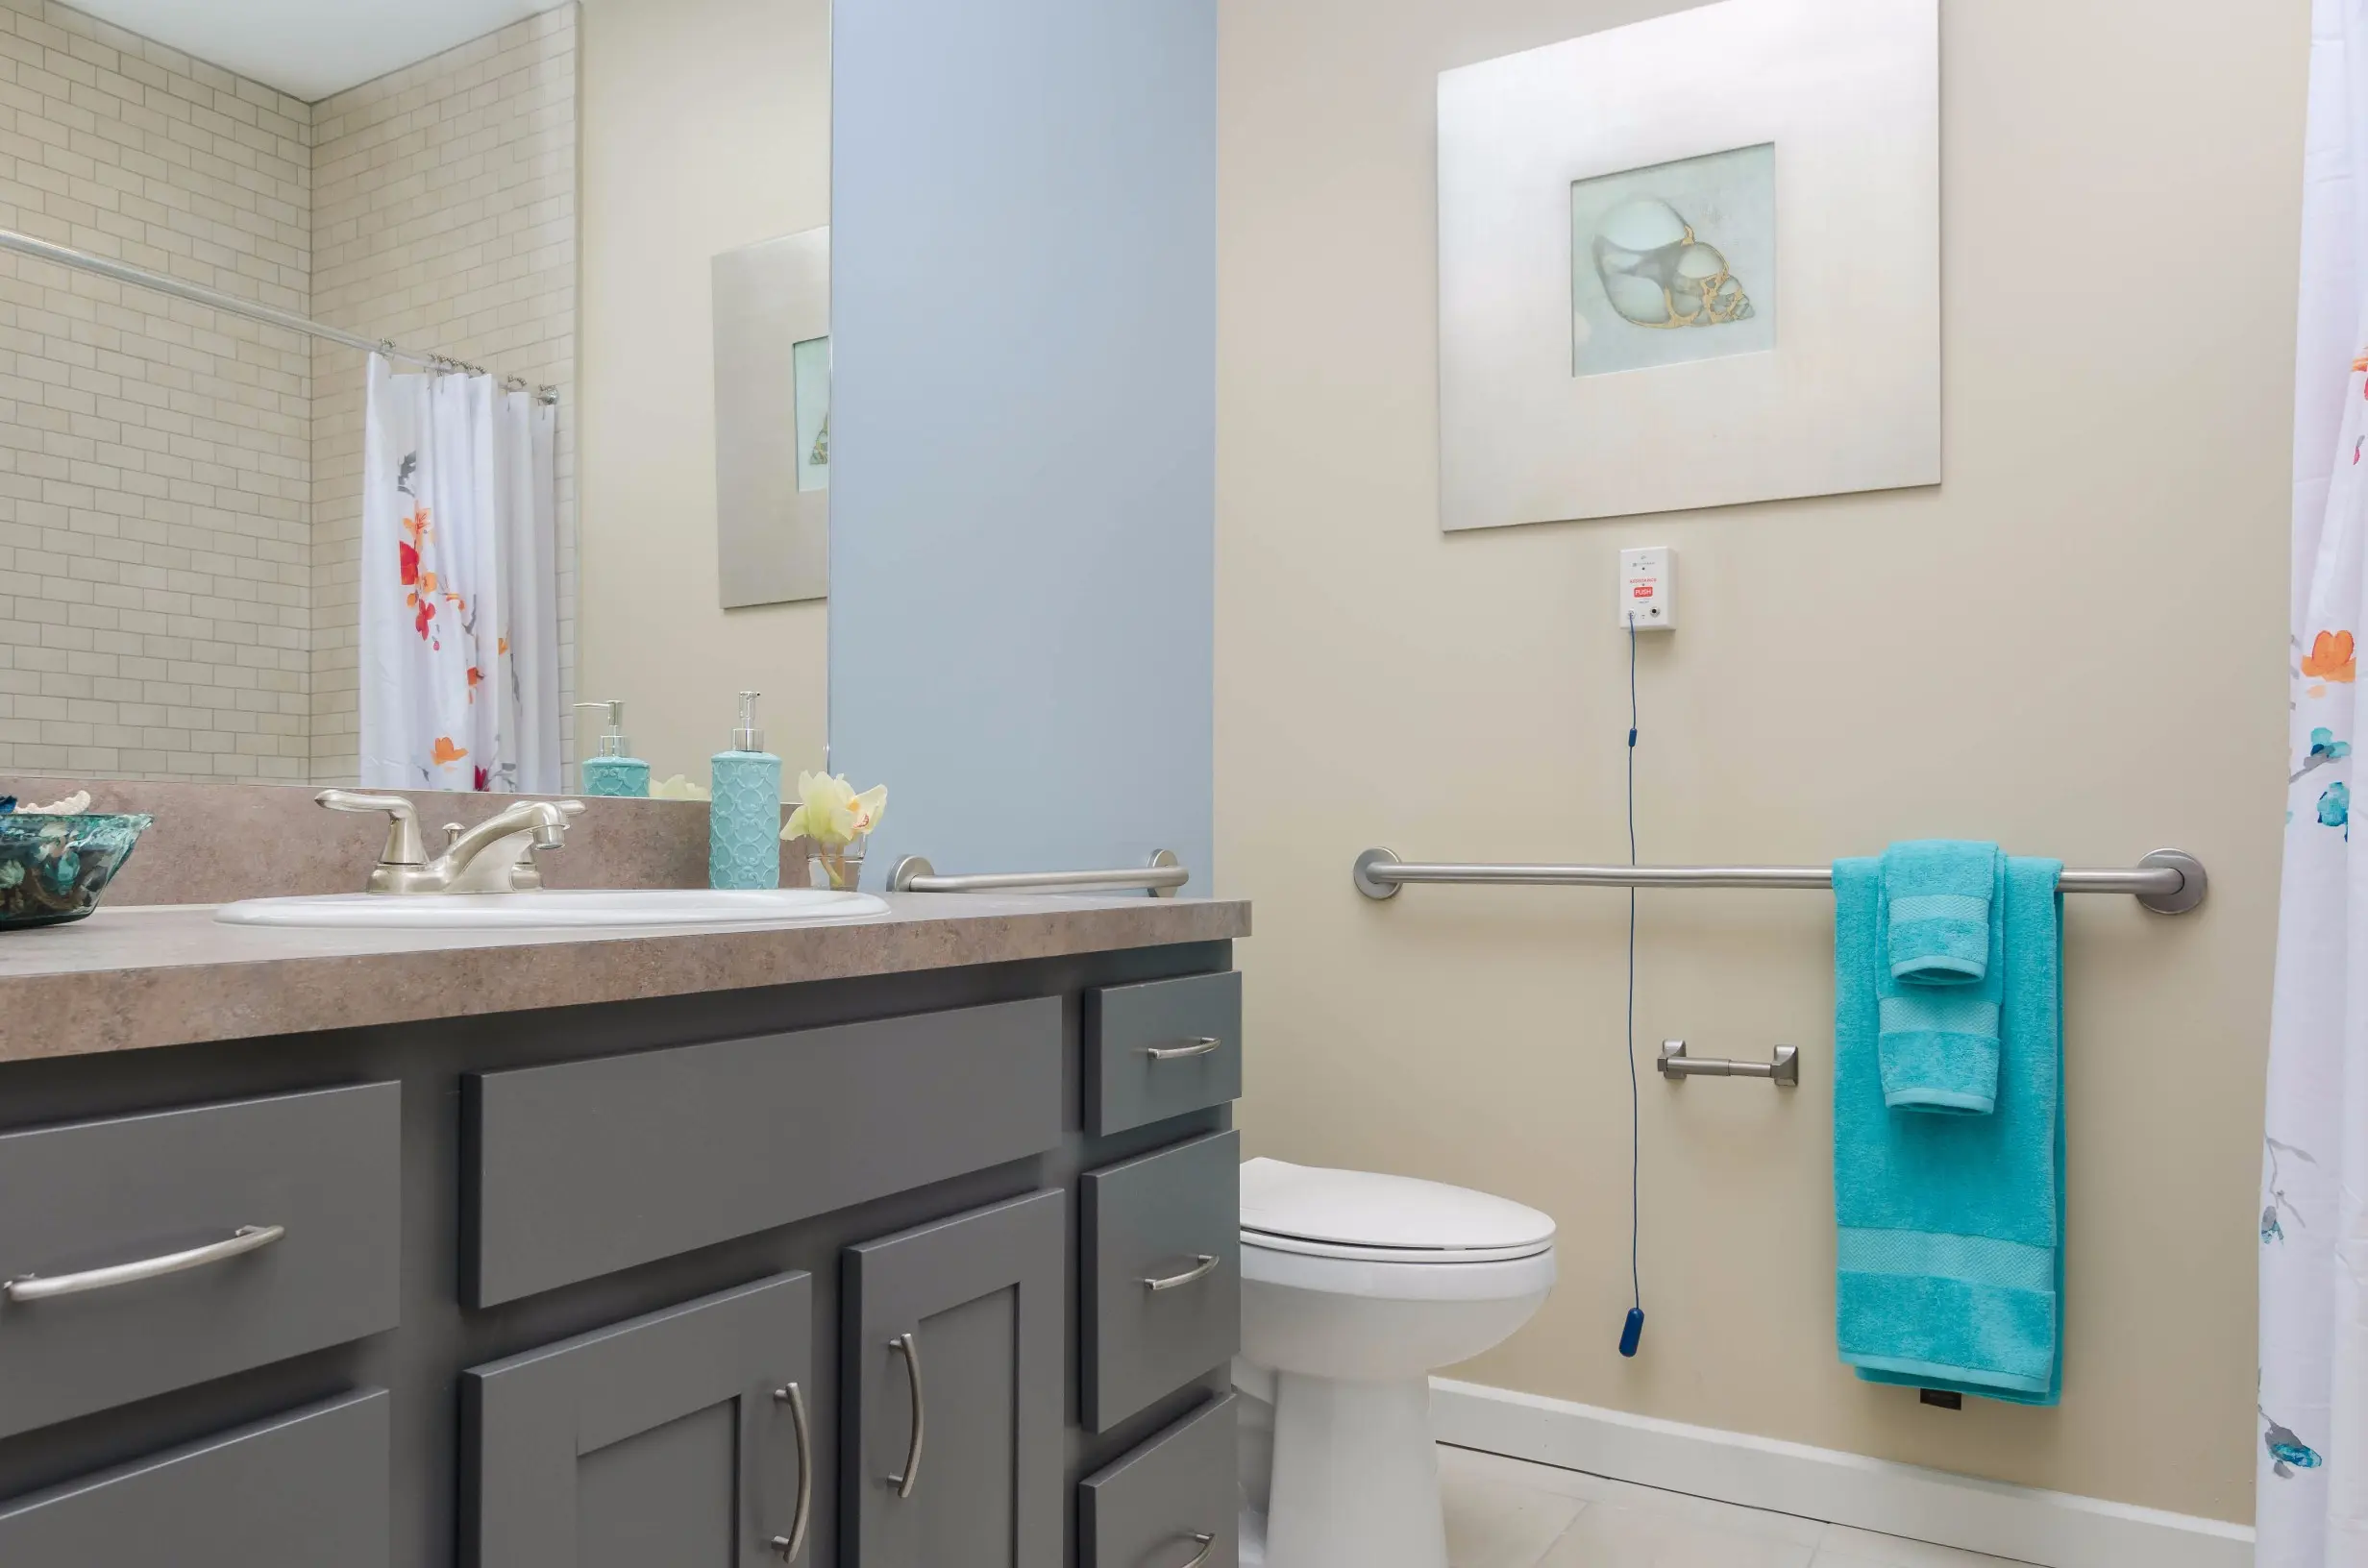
(773, 420)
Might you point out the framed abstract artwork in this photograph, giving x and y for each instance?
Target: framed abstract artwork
(1691, 263)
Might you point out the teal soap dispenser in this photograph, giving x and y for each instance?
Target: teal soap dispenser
(612, 771)
(744, 819)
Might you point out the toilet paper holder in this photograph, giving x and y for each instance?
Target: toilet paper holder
(1783, 1071)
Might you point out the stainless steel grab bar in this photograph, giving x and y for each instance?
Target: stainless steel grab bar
(2168, 881)
(1160, 879)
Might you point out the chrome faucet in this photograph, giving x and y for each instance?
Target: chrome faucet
(495, 856)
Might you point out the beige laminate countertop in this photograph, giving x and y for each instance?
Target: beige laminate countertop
(170, 974)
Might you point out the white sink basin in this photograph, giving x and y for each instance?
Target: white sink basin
(560, 907)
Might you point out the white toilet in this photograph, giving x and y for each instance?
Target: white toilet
(1355, 1287)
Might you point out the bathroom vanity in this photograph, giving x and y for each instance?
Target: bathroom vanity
(900, 1243)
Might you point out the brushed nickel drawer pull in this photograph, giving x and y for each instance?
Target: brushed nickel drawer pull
(1198, 1045)
(1203, 1265)
(904, 1483)
(793, 1543)
(1208, 1545)
(245, 1239)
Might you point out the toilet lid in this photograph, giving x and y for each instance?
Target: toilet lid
(1400, 1213)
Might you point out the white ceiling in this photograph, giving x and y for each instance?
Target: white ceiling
(311, 48)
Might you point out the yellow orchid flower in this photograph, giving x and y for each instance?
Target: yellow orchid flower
(677, 787)
(830, 810)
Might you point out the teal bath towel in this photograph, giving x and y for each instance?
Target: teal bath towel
(1950, 1244)
(1939, 1022)
(1938, 896)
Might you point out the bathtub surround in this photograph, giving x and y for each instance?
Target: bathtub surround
(1461, 695)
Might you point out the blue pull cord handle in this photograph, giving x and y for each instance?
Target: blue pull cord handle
(1632, 1331)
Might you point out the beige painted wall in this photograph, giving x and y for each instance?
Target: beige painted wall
(707, 126)
(2075, 644)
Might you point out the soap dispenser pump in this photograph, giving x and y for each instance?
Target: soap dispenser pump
(613, 771)
(744, 819)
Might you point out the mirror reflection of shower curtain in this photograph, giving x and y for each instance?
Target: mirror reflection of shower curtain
(460, 653)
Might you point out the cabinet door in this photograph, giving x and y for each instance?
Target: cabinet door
(680, 1439)
(954, 1387)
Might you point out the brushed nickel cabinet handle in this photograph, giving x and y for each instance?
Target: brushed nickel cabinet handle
(1204, 1264)
(911, 1350)
(793, 1543)
(1198, 1045)
(1208, 1546)
(245, 1239)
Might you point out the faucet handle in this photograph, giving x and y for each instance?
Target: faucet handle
(403, 846)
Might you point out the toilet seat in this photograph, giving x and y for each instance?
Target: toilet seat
(1440, 1257)
(1371, 1218)
(1354, 1232)
(1398, 1278)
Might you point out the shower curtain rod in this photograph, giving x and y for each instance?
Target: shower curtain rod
(123, 272)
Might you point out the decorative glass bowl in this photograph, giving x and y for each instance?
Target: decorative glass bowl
(54, 869)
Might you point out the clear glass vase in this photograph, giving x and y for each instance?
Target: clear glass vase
(835, 866)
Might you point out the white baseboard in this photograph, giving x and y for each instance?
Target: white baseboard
(2054, 1529)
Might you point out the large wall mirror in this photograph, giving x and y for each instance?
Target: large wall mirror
(587, 459)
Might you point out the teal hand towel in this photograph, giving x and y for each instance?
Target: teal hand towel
(1937, 895)
(1939, 1043)
(1950, 1229)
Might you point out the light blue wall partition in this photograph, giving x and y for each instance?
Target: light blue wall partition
(1022, 443)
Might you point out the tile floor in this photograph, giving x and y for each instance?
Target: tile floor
(1507, 1513)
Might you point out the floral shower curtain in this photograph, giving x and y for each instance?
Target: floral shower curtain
(459, 626)
(2311, 1508)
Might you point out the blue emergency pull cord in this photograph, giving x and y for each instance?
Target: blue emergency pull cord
(1632, 1332)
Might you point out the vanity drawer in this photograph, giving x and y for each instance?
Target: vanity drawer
(304, 1490)
(323, 1169)
(1173, 1217)
(584, 1168)
(1161, 1048)
(1163, 1501)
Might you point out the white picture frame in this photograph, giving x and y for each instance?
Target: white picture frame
(1847, 395)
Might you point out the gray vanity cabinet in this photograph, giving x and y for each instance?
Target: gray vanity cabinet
(862, 1273)
(950, 1343)
(683, 1437)
(1169, 1503)
(308, 1488)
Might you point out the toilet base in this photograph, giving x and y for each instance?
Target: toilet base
(1355, 1479)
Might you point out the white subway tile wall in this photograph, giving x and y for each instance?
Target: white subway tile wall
(154, 456)
(443, 216)
(179, 487)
